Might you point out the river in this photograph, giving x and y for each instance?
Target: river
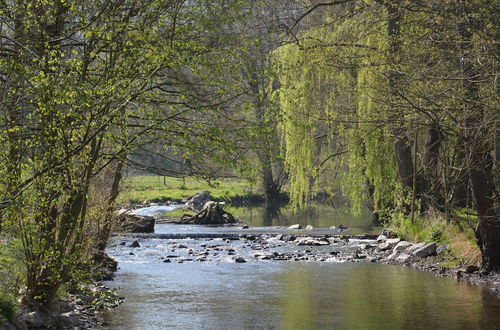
(266, 294)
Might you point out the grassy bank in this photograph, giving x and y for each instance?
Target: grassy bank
(456, 233)
(153, 188)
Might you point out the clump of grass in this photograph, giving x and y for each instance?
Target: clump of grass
(457, 234)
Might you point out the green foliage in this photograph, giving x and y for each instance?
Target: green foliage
(88, 82)
(7, 308)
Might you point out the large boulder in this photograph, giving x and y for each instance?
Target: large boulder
(198, 200)
(425, 251)
(133, 223)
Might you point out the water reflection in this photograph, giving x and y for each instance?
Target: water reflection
(296, 296)
(317, 215)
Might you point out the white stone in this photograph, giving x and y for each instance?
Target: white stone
(403, 257)
(402, 245)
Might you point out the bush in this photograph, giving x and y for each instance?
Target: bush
(7, 308)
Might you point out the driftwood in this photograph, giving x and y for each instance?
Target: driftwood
(212, 213)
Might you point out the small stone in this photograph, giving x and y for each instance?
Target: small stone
(131, 254)
(403, 257)
(180, 246)
(309, 227)
(392, 241)
(381, 238)
(244, 227)
(295, 226)
(333, 227)
(342, 227)
(402, 245)
(384, 247)
(415, 247)
(122, 243)
(388, 233)
(393, 255)
(167, 260)
(441, 249)
(279, 237)
(135, 244)
(239, 260)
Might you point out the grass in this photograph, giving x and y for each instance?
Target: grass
(153, 188)
(457, 234)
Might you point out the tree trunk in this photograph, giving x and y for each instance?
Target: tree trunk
(269, 185)
(402, 148)
(212, 213)
(434, 196)
(109, 217)
(478, 149)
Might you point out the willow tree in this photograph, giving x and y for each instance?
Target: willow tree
(421, 120)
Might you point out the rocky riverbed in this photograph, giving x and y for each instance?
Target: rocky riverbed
(242, 248)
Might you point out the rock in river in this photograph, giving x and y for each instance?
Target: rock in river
(240, 260)
(133, 223)
(295, 226)
(312, 241)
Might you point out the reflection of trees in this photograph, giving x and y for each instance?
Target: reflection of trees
(272, 211)
(397, 298)
(299, 303)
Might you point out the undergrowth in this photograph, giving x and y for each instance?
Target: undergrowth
(456, 232)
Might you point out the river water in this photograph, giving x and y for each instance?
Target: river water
(266, 294)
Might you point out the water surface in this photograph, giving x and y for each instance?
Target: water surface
(221, 294)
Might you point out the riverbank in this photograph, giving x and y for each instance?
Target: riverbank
(79, 307)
